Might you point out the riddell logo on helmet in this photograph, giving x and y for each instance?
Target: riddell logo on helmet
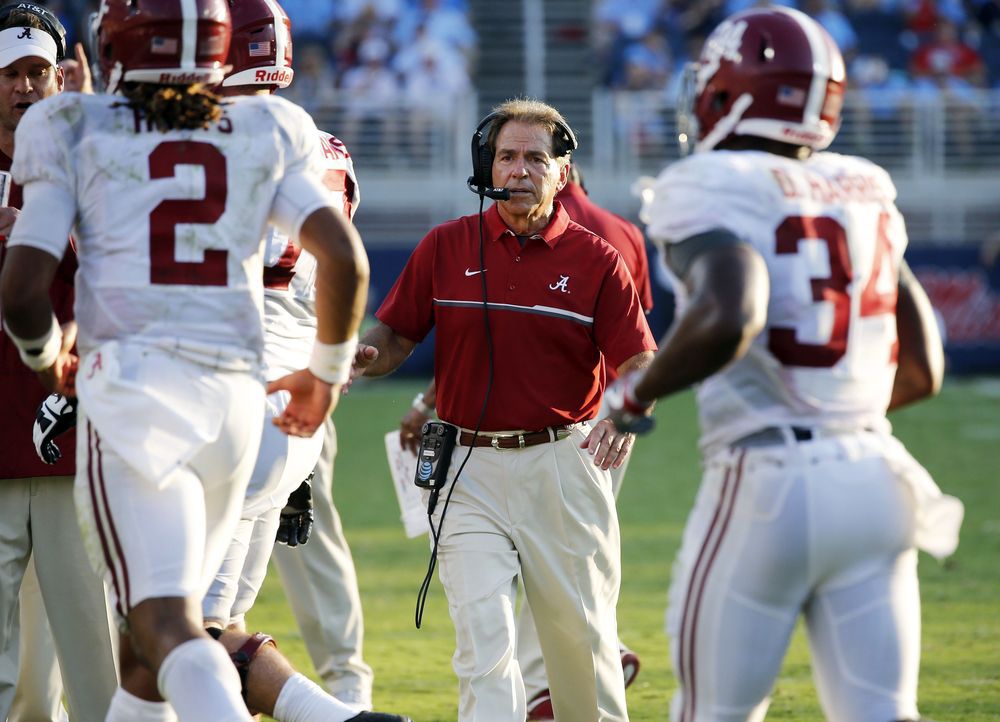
(181, 78)
(277, 76)
(799, 134)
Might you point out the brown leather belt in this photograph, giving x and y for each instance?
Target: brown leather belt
(514, 441)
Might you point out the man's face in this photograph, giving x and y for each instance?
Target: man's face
(23, 83)
(524, 164)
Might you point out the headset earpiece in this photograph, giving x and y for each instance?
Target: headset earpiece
(482, 154)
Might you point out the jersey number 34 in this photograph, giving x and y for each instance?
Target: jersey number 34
(833, 289)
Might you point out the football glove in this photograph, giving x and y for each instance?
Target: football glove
(56, 415)
(296, 520)
(627, 413)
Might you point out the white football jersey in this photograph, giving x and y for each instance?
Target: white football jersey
(290, 271)
(832, 238)
(169, 225)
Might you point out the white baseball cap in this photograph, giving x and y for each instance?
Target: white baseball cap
(17, 43)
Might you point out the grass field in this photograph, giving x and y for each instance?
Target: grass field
(956, 436)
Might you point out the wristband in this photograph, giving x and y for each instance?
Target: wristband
(420, 405)
(629, 402)
(331, 362)
(39, 353)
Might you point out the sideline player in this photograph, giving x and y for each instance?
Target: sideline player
(42, 559)
(627, 239)
(804, 326)
(289, 333)
(170, 195)
(319, 578)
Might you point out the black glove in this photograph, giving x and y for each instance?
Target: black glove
(627, 413)
(56, 414)
(296, 522)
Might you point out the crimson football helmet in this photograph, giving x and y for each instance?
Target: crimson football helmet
(261, 50)
(767, 72)
(168, 42)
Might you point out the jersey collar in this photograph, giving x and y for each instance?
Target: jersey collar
(496, 228)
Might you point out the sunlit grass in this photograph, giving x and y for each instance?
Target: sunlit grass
(956, 436)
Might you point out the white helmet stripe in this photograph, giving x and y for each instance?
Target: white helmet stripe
(189, 33)
(281, 38)
(822, 64)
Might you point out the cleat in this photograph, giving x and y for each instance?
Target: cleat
(540, 706)
(378, 717)
(630, 665)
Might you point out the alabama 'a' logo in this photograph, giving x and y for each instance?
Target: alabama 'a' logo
(561, 284)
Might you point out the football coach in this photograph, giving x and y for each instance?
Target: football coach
(528, 307)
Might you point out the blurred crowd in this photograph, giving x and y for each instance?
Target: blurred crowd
(369, 56)
(924, 46)
(901, 55)
(376, 52)
(368, 53)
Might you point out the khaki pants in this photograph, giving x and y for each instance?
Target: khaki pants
(545, 514)
(38, 521)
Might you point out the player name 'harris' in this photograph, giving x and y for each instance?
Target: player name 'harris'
(802, 183)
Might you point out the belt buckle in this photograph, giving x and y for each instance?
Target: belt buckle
(520, 441)
(495, 443)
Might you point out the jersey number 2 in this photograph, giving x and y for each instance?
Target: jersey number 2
(832, 289)
(163, 221)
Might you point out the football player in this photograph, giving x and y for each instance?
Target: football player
(170, 192)
(802, 324)
(261, 62)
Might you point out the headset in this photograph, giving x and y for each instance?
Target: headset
(48, 19)
(481, 180)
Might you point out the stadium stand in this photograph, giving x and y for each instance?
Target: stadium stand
(403, 81)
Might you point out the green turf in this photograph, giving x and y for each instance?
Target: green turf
(956, 436)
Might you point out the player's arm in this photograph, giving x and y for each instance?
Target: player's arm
(921, 353)
(728, 288)
(36, 245)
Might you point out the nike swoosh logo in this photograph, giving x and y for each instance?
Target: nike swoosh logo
(470, 272)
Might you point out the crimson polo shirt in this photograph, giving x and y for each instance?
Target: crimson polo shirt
(623, 236)
(20, 390)
(555, 306)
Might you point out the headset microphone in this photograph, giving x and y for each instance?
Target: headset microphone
(497, 194)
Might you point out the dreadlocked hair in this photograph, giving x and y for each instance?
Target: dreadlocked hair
(174, 107)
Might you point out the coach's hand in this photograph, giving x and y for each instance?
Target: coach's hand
(609, 446)
(296, 521)
(313, 400)
(7, 217)
(410, 427)
(363, 358)
(56, 415)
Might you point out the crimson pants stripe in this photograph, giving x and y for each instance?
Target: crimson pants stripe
(699, 576)
(102, 514)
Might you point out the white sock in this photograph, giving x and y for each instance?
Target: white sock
(302, 700)
(202, 684)
(126, 707)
